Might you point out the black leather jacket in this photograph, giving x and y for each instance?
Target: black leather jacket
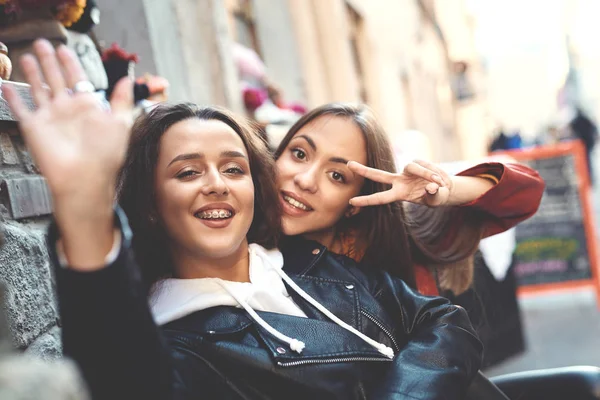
(220, 353)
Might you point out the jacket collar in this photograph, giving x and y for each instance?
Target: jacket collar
(300, 255)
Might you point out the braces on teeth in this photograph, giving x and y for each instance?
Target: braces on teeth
(215, 214)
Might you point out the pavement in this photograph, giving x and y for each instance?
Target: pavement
(560, 330)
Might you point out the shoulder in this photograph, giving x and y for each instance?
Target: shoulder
(309, 258)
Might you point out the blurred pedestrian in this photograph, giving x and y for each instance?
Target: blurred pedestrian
(583, 128)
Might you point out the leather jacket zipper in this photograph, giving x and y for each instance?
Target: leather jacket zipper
(383, 328)
(330, 361)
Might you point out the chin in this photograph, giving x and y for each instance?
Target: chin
(221, 248)
(291, 227)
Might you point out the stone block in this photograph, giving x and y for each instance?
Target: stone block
(22, 378)
(48, 346)
(27, 196)
(26, 159)
(23, 91)
(30, 302)
(8, 153)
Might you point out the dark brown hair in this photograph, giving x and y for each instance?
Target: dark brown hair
(396, 235)
(136, 191)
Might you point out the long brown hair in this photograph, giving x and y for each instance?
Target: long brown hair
(396, 235)
(136, 191)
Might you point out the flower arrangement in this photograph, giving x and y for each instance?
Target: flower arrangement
(67, 12)
(117, 64)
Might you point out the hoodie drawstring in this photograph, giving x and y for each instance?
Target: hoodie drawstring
(295, 344)
(382, 348)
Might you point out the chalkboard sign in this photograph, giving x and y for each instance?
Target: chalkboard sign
(557, 246)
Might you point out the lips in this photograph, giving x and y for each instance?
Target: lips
(294, 205)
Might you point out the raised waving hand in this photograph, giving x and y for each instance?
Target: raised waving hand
(78, 145)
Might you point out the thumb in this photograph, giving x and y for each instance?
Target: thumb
(439, 198)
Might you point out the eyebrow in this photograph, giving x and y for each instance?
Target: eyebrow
(312, 144)
(192, 156)
(339, 160)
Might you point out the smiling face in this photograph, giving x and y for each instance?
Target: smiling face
(315, 183)
(204, 189)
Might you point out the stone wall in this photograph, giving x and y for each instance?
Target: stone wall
(25, 207)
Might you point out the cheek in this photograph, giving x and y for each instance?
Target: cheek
(336, 199)
(244, 192)
(336, 205)
(337, 196)
(171, 199)
(285, 168)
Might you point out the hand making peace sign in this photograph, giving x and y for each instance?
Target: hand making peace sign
(420, 182)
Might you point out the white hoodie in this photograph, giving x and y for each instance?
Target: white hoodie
(175, 298)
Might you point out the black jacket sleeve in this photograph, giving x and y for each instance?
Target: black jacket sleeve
(107, 327)
(442, 352)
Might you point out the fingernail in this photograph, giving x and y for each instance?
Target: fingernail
(43, 42)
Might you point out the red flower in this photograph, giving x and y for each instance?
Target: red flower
(115, 52)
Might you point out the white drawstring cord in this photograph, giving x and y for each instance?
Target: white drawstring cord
(295, 344)
(382, 348)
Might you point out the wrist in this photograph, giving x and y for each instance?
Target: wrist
(86, 224)
(86, 242)
(84, 203)
(466, 189)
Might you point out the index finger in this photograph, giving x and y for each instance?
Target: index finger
(373, 174)
(50, 67)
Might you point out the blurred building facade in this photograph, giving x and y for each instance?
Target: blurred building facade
(413, 61)
(542, 58)
(402, 58)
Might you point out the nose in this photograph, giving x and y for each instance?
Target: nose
(214, 184)
(307, 180)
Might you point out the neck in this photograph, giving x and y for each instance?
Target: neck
(328, 238)
(233, 267)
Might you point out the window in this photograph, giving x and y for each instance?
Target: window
(356, 38)
(243, 24)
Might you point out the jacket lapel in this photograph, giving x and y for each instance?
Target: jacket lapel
(301, 259)
(339, 297)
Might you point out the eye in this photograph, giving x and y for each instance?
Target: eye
(299, 153)
(186, 174)
(336, 176)
(234, 171)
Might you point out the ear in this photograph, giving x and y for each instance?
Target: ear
(153, 217)
(351, 211)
